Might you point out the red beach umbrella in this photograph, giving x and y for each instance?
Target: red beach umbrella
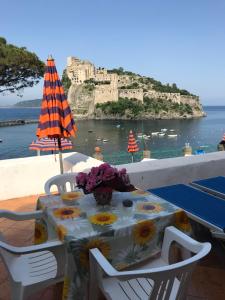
(55, 121)
(132, 145)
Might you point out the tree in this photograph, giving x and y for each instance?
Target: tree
(66, 82)
(19, 68)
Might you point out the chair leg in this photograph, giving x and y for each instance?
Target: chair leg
(17, 292)
(58, 290)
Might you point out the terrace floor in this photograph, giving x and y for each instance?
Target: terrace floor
(208, 280)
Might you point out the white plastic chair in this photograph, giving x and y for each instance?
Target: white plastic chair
(61, 182)
(35, 267)
(156, 280)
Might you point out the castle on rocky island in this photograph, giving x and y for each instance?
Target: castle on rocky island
(91, 86)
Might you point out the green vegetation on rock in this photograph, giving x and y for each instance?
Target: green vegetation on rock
(133, 108)
(121, 107)
(19, 68)
(66, 82)
(121, 71)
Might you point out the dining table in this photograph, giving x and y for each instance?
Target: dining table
(127, 231)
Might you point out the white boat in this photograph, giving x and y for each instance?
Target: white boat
(118, 126)
(172, 135)
(99, 139)
(172, 130)
(155, 133)
(164, 130)
(161, 133)
(105, 140)
(139, 135)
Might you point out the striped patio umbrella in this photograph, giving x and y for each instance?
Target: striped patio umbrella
(132, 145)
(55, 121)
(47, 144)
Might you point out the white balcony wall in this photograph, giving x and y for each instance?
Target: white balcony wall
(162, 172)
(27, 176)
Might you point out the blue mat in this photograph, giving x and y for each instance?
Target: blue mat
(216, 184)
(205, 206)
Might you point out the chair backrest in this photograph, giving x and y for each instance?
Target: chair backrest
(53, 254)
(64, 183)
(169, 281)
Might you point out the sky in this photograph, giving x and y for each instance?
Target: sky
(170, 40)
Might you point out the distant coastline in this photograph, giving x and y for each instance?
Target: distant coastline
(35, 103)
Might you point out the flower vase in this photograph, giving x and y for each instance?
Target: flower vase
(103, 195)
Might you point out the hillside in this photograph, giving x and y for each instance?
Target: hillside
(29, 103)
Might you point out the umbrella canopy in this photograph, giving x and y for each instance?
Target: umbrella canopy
(46, 144)
(56, 119)
(132, 145)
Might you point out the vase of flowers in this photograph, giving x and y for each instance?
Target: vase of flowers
(102, 181)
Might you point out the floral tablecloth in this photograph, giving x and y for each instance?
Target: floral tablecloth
(124, 235)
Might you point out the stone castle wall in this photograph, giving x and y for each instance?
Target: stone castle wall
(104, 93)
(174, 97)
(189, 100)
(111, 78)
(131, 93)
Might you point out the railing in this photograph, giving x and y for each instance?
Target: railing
(124, 157)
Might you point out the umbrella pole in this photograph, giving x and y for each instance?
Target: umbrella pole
(132, 157)
(60, 156)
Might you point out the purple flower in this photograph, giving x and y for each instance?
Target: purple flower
(103, 176)
(122, 172)
(91, 184)
(94, 171)
(104, 166)
(81, 179)
(108, 174)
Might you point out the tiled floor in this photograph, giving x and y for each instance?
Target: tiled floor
(208, 279)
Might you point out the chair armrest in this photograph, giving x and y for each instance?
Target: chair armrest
(97, 258)
(30, 249)
(172, 234)
(21, 216)
(218, 235)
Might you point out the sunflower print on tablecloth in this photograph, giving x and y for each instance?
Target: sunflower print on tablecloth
(140, 193)
(61, 232)
(67, 212)
(40, 233)
(70, 196)
(181, 221)
(102, 246)
(148, 207)
(143, 232)
(103, 218)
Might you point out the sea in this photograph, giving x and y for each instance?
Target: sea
(202, 133)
